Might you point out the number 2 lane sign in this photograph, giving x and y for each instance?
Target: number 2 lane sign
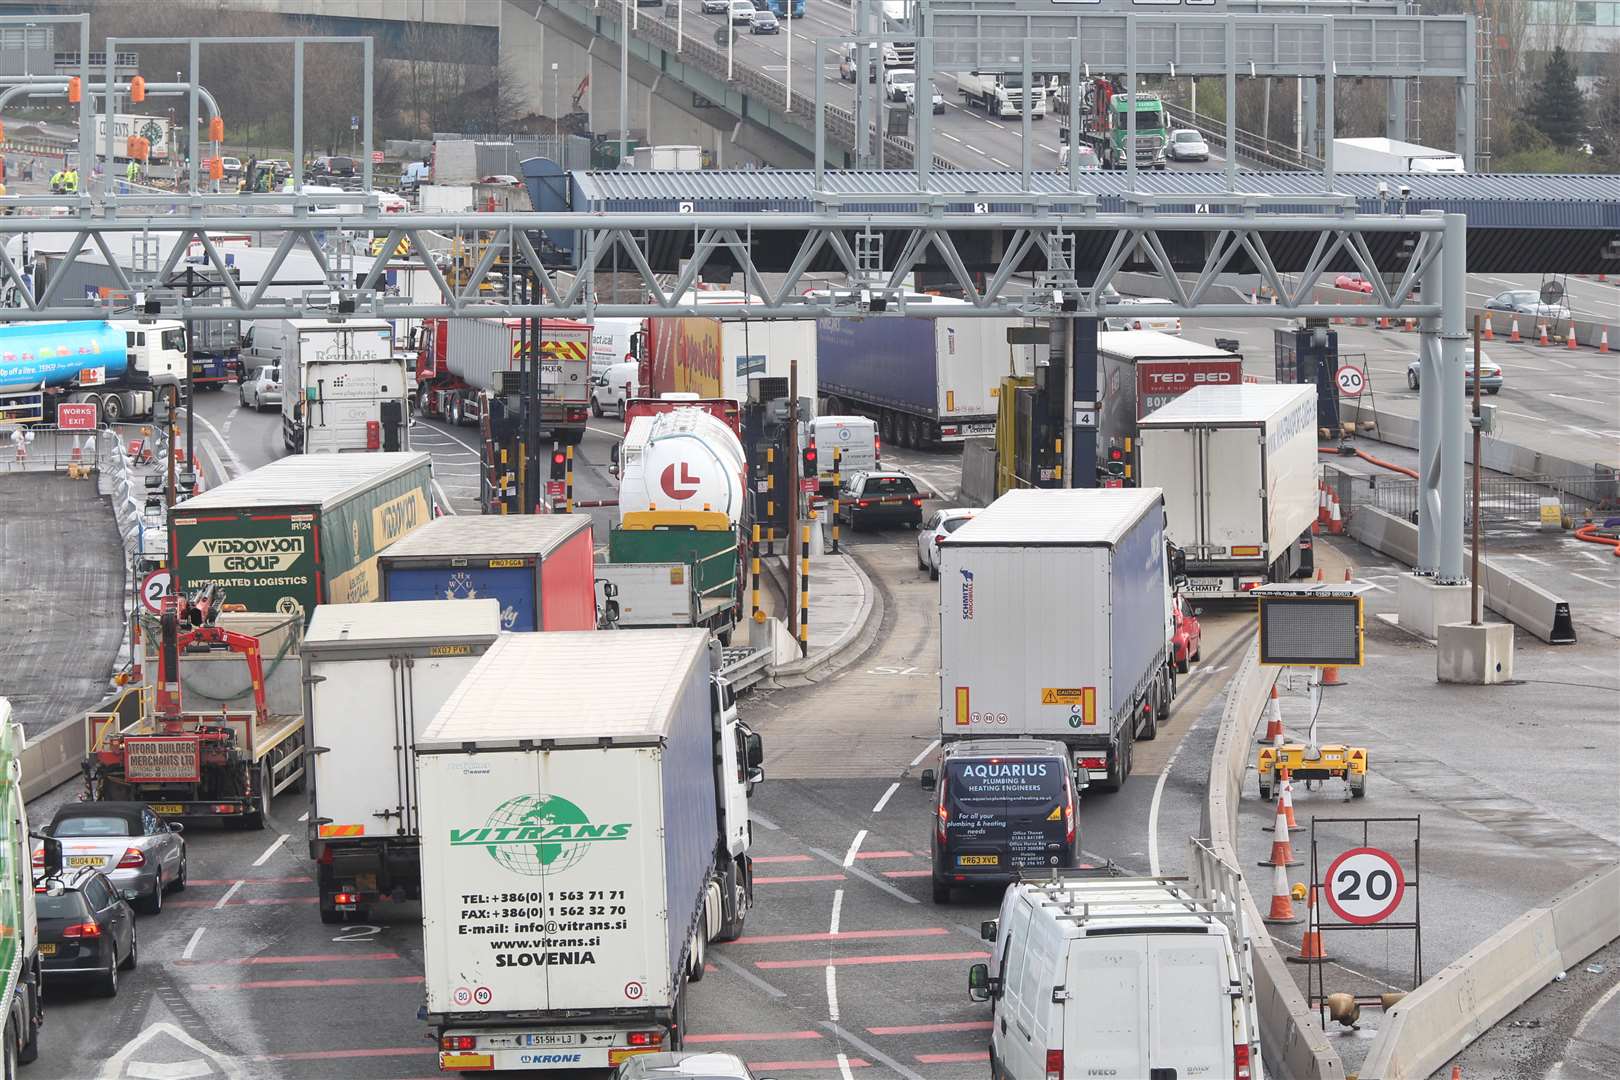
(1364, 885)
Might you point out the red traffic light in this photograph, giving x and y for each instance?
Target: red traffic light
(559, 465)
(1116, 454)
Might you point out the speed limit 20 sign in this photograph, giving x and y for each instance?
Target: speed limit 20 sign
(154, 587)
(1364, 885)
(1352, 380)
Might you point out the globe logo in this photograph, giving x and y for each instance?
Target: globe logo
(540, 812)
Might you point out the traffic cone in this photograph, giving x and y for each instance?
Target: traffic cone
(1513, 332)
(78, 454)
(1310, 948)
(1489, 334)
(1545, 340)
(1410, 326)
(1603, 342)
(1322, 503)
(1349, 575)
(1319, 576)
(1335, 520)
(1383, 322)
(1330, 676)
(1288, 802)
(1274, 725)
(1570, 338)
(1282, 901)
(1282, 848)
(1254, 296)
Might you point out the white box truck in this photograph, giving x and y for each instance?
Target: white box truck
(1393, 156)
(1238, 468)
(1053, 608)
(1118, 976)
(582, 840)
(344, 388)
(374, 676)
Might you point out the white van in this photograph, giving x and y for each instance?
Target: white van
(855, 437)
(1116, 976)
(613, 387)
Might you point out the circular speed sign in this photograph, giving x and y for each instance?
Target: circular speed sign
(1351, 381)
(154, 587)
(1364, 885)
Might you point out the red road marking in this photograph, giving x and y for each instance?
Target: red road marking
(884, 855)
(306, 984)
(313, 958)
(907, 873)
(854, 961)
(296, 880)
(929, 1029)
(781, 858)
(267, 901)
(317, 1055)
(752, 1036)
(791, 877)
(790, 1066)
(842, 935)
(943, 1059)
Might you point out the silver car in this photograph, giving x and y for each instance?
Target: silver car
(142, 855)
(1527, 302)
(1187, 144)
(260, 388)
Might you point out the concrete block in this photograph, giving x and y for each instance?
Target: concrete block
(1424, 606)
(1481, 655)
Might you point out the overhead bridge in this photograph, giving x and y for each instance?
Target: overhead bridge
(1520, 224)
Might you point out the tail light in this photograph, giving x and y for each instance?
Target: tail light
(944, 815)
(1137, 325)
(132, 860)
(373, 435)
(92, 930)
(576, 414)
(877, 446)
(1054, 1064)
(916, 500)
(1178, 326)
(458, 1042)
(1240, 1061)
(345, 898)
(863, 503)
(1068, 815)
(656, 1038)
(1093, 763)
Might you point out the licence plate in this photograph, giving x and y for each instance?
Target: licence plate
(47, 950)
(167, 808)
(564, 1039)
(85, 860)
(978, 860)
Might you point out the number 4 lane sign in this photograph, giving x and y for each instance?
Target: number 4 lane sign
(1364, 885)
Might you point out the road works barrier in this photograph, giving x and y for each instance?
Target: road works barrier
(1436, 1021)
(1291, 1039)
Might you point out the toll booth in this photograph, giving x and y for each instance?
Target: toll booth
(1310, 354)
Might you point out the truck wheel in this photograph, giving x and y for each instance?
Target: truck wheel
(28, 1052)
(914, 433)
(1358, 786)
(112, 408)
(261, 802)
(1150, 728)
(731, 927)
(11, 1055)
(694, 966)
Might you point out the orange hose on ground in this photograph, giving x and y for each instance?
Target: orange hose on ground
(1364, 456)
(1585, 533)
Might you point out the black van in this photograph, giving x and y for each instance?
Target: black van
(1006, 810)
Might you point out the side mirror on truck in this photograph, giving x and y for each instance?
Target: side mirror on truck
(754, 750)
(613, 460)
(980, 985)
(52, 849)
(928, 780)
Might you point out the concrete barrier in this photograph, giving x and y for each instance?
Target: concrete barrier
(1522, 602)
(52, 757)
(1292, 1043)
(1436, 1021)
(979, 472)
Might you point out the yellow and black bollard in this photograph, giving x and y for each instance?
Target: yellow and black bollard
(568, 482)
(804, 591)
(753, 569)
(770, 500)
(837, 485)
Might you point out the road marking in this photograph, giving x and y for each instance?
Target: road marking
(843, 1068)
(837, 910)
(310, 958)
(1593, 580)
(169, 1070)
(975, 149)
(230, 892)
(854, 847)
(929, 749)
(842, 935)
(930, 1029)
(444, 498)
(1003, 164)
(832, 993)
(1572, 397)
(304, 816)
(783, 880)
(748, 976)
(310, 984)
(906, 873)
(1153, 814)
(271, 850)
(1586, 1018)
(947, 1059)
(191, 946)
(887, 795)
(762, 821)
(752, 1036)
(781, 858)
(855, 871)
(1048, 149)
(870, 1051)
(951, 137)
(993, 124)
(1374, 585)
(233, 464)
(120, 1065)
(1529, 558)
(868, 961)
(886, 855)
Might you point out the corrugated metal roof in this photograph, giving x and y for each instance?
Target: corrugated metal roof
(1057, 516)
(477, 535)
(306, 479)
(1490, 199)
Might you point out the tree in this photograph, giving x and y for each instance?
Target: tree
(1606, 110)
(1556, 105)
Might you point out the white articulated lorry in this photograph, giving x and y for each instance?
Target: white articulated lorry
(1053, 609)
(582, 840)
(374, 677)
(344, 388)
(1238, 468)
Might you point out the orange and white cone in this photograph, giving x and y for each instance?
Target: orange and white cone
(1330, 676)
(1545, 340)
(1310, 948)
(1319, 576)
(1603, 342)
(1274, 724)
(1254, 296)
(1322, 503)
(1571, 339)
(1282, 848)
(1513, 332)
(1410, 325)
(1335, 520)
(1282, 900)
(1288, 803)
(1383, 322)
(1488, 333)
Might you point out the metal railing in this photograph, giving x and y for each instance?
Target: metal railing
(1502, 499)
(1254, 147)
(47, 448)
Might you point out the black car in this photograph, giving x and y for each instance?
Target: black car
(332, 166)
(1007, 808)
(880, 498)
(86, 930)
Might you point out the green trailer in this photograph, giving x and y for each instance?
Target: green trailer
(698, 570)
(301, 531)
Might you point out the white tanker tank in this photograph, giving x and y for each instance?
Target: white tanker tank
(683, 460)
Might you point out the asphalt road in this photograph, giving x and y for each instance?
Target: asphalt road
(968, 137)
(846, 966)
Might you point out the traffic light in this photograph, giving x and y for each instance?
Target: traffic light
(809, 463)
(559, 465)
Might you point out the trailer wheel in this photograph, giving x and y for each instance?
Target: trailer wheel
(731, 926)
(694, 965)
(112, 408)
(1358, 786)
(261, 802)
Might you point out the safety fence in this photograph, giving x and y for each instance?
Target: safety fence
(48, 448)
(1502, 499)
(1251, 146)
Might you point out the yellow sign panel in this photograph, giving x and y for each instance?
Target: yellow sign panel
(1081, 702)
(502, 564)
(450, 650)
(1055, 695)
(962, 717)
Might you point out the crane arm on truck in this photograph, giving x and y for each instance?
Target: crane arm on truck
(190, 628)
